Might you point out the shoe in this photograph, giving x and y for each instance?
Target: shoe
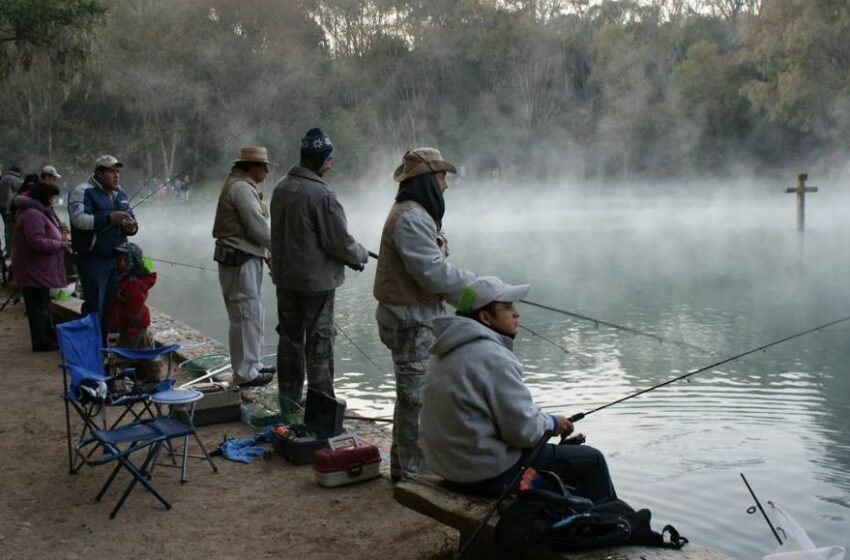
(269, 369)
(261, 380)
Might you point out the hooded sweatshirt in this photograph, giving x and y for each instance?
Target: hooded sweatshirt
(477, 414)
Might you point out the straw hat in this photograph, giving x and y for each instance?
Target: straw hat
(421, 161)
(254, 154)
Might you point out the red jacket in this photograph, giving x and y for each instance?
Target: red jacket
(129, 313)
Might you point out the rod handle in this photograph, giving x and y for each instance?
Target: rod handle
(576, 417)
(373, 254)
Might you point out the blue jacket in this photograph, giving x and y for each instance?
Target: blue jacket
(89, 206)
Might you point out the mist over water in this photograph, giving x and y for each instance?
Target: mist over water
(717, 265)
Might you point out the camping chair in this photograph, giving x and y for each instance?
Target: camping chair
(91, 390)
(143, 438)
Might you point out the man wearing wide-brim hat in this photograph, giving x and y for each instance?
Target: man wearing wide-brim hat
(412, 280)
(311, 247)
(242, 240)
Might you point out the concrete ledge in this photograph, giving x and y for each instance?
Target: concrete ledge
(164, 330)
(425, 495)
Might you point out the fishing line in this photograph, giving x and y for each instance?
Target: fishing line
(363, 352)
(624, 328)
(175, 263)
(598, 322)
(581, 415)
(341, 331)
(583, 357)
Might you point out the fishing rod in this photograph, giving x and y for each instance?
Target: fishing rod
(752, 509)
(175, 263)
(624, 328)
(598, 322)
(182, 173)
(581, 415)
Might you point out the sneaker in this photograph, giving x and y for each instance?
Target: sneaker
(259, 381)
(268, 369)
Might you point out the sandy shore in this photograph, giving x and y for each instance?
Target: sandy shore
(267, 509)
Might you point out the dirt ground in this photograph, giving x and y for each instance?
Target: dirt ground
(267, 509)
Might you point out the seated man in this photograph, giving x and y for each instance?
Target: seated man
(477, 414)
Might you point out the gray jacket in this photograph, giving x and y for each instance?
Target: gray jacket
(414, 237)
(310, 240)
(9, 185)
(477, 414)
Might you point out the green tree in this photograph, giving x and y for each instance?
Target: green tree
(59, 29)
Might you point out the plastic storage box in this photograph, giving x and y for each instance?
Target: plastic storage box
(347, 461)
(322, 420)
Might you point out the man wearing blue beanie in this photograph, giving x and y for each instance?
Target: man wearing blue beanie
(310, 248)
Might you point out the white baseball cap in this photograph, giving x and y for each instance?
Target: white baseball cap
(50, 170)
(109, 162)
(485, 289)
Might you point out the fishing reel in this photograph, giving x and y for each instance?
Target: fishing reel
(575, 439)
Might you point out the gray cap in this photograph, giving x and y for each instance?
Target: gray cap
(485, 289)
(50, 170)
(109, 162)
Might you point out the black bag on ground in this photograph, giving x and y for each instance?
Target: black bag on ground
(544, 520)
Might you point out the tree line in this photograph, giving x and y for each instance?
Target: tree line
(527, 89)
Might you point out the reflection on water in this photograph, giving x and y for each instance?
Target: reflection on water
(726, 277)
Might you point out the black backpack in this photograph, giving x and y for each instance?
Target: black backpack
(559, 521)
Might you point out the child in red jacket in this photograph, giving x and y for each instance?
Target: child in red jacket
(129, 314)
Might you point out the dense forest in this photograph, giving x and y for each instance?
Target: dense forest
(524, 88)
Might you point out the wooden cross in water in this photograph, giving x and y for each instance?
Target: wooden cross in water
(801, 191)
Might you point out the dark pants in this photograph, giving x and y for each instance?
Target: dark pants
(37, 303)
(98, 277)
(306, 329)
(7, 231)
(580, 466)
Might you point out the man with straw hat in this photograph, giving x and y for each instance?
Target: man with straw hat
(311, 246)
(242, 239)
(412, 280)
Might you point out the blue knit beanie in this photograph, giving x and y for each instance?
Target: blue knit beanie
(316, 146)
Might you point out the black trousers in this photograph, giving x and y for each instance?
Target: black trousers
(37, 303)
(580, 466)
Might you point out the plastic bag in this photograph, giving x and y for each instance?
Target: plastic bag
(798, 545)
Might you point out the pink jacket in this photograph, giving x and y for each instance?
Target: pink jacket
(38, 255)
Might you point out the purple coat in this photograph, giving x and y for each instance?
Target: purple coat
(38, 255)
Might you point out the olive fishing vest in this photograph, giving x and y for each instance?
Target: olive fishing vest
(227, 222)
(393, 284)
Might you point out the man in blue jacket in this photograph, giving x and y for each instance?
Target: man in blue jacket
(101, 220)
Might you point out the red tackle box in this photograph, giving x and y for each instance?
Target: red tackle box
(348, 460)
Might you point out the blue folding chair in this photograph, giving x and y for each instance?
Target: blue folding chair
(90, 389)
(143, 438)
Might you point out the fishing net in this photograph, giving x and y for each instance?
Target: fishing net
(203, 364)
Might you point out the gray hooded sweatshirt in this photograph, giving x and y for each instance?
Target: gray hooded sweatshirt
(477, 414)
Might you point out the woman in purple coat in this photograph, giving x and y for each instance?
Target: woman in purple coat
(38, 260)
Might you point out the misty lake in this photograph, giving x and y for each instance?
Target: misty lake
(720, 267)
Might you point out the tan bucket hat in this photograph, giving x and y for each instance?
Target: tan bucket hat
(421, 161)
(255, 154)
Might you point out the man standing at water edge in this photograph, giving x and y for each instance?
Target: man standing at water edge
(10, 182)
(101, 220)
(478, 415)
(412, 280)
(242, 239)
(310, 248)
